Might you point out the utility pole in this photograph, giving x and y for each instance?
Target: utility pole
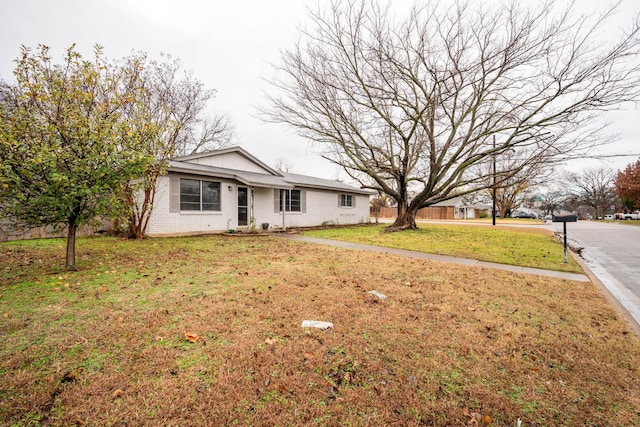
(493, 185)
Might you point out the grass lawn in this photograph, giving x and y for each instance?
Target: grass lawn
(529, 247)
(106, 345)
(630, 222)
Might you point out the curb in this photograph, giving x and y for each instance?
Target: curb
(615, 303)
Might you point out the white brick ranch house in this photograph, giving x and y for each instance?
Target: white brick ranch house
(230, 189)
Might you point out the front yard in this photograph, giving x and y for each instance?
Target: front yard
(106, 345)
(528, 247)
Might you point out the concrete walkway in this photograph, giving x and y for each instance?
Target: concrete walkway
(441, 258)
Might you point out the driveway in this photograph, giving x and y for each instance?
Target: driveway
(612, 253)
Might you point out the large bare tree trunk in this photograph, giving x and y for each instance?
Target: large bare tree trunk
(406, 219)
(71, 247)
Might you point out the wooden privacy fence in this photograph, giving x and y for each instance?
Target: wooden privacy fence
(9, 232)
(432, 212)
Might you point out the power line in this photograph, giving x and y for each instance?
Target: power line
(605, 156)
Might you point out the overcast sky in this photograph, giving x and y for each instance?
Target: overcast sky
(227, 44)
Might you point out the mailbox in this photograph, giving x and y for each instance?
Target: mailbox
(565, 218)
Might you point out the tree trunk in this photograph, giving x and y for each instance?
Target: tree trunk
(503, 212)
(406, 219)
(139, 215)
(71, 247)
(135, 227)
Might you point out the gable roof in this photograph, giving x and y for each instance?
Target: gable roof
(271, 179)
(457, 201)
(235, 149)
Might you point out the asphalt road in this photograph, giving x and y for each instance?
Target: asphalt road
(612, 252)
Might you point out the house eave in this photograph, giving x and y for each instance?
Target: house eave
(247, 178)
(265, 180)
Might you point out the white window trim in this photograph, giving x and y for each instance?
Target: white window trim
(201, 211)
(343, 206)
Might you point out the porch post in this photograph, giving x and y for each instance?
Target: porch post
(251, 209)
(283, 200)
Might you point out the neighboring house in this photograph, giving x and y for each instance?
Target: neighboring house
(230, 189)
(456, 208)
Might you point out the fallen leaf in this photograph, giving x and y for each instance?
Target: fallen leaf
(283, 389)
(70, 376)
(117, 393)
(191, 337)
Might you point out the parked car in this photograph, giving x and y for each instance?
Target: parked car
(635, 215)
(525, 215)
(609, 217)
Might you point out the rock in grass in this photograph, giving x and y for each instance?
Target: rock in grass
(317, 324)
(377, 294)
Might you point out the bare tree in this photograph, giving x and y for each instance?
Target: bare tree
(512, 188)
(511, 197)
(411, 105)
(552, 200)
(377, 203)
(168, 121)
(594, 188)
(283, 165)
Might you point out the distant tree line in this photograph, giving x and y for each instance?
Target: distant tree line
(595, 192)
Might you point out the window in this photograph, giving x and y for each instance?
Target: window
(346, 201)
(196, 195)
(292, 200)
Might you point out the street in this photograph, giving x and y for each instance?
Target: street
(612, 252)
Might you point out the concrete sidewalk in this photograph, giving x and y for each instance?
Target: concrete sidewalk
(441, 258)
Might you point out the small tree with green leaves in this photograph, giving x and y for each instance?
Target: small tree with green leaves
(64, 146)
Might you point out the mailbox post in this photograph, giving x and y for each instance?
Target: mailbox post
(564, 219)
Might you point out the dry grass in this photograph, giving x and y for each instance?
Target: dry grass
(449, 346)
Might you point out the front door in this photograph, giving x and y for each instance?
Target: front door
(243, 206)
